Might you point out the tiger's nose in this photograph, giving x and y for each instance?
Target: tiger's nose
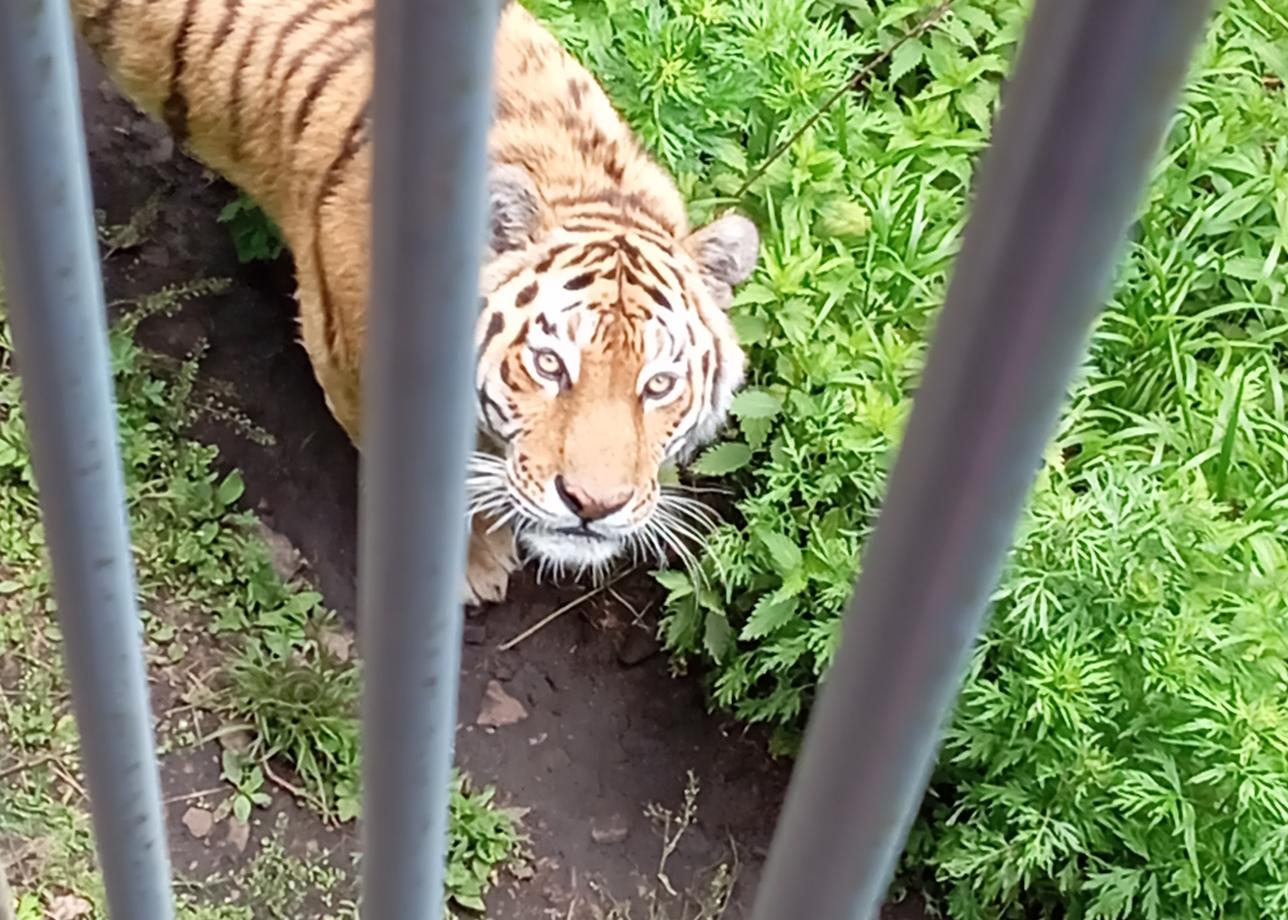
(588, 505)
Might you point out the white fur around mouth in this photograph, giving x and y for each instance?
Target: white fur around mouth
(571, 550)
(676, 525)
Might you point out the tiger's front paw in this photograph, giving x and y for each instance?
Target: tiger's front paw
(492, 558)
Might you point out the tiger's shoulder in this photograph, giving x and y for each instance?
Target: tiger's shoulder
(554, 119)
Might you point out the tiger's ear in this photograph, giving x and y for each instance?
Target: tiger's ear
(726, 250)
(514, 207)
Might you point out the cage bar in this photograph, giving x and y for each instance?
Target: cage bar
(1084, 113)
(1082, 118)
(431, 114)
(49, 250)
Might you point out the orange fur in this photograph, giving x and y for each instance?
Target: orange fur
(275, 96)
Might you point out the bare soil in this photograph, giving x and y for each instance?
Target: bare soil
(607, 731)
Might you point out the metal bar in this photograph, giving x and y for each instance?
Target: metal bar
(7, 907)
(55, 296)
(432, 56)
(1083, 117)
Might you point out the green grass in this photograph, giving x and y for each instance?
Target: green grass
(246, 651)
(1121, 746)
(255, 237)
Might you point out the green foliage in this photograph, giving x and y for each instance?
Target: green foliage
(1122, 744)
(1121, 747)
(279, 885)
(484, 837)
(203, 563)
(254, 234)
(303, 709)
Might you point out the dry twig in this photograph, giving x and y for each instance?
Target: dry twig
(550, 618)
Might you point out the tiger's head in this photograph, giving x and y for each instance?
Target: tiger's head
(604, 351)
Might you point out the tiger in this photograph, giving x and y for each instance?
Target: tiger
(605, 352)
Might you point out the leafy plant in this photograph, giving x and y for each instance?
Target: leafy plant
(303, 710)
(28, 908)
(1119, 749)
(484, 837)
(246, 777)
(202, 567)
(1122, 745)
(254, 234)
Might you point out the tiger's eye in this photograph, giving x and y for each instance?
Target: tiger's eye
(659, 385)
(549, 364)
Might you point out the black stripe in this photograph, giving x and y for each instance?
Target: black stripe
(585, 279)
(599, 223)
(331, 32)
(658, 297)
(718, 374)
(549, 259)
(526, 295)
(596, 250)
(321, 81)
(235, 90)
(662, 272)
(486, 403)
(656, 293)
(494, 327)
(356, 138)
(175, 109)
(225, 27)
(630, 251)
(289, 28)
(618, 203)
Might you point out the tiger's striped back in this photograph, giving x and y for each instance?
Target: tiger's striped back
(256, 89)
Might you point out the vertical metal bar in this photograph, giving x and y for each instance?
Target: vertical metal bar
(55, 296)
(432, 110)
(1083, 117)
(7, 907)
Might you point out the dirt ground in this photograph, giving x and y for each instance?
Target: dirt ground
(607, 732)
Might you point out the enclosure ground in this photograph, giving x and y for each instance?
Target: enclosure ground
(598, 742)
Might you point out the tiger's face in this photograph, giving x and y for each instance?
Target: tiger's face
(604, 351)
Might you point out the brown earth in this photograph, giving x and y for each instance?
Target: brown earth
(607, 731)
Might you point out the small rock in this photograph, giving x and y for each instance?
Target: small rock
(285, 558)
(238, 834)
(339, 644)
(475, 634)
(198, 821)
(162, 151)
(637, 646)
(609, 831)
(69, 907)
(499, 708)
